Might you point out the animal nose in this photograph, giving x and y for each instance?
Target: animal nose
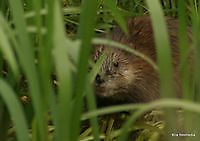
(98, 79)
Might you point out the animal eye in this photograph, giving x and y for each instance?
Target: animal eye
(116, 64)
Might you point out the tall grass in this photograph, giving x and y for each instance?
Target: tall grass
(44, 39)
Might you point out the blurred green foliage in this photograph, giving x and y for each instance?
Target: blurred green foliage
(44, 80)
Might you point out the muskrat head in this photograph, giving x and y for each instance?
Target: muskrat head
(116, 73)
(124, 77)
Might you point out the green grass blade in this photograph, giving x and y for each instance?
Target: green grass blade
(162, 47)
(184, 51)
(169, 103)
(85, 33)
(25, 52)
(117, 14)
(63, 128)
(164, 60)
(196, 31)
(187, 74)
(6, 47)
(90, 96)
(15, 110)
(196, 43)
(4, 7)
(162, 103)
(72, 10)
(96, 67)
(92, 107)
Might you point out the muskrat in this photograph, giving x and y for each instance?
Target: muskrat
(126, 78)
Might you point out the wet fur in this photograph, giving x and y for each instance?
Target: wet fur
(140, 83)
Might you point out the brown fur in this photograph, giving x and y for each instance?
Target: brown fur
(134, 80)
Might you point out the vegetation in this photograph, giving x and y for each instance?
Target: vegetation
(44, 81)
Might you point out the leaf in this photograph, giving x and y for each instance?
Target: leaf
(116, 14)
(15, 110)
